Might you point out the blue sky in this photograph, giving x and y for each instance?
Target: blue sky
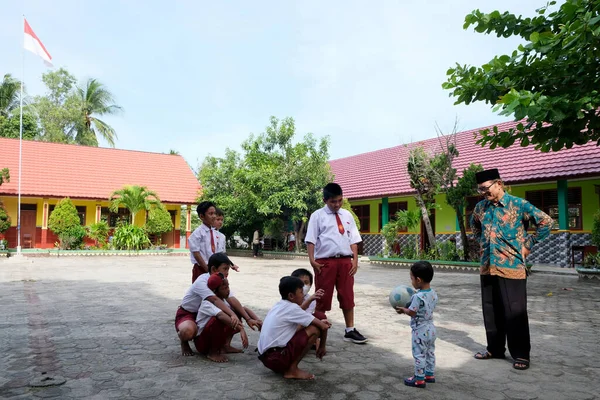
(199, 76)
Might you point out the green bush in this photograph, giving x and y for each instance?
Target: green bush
(4, 219)
(596, 229)
(159, 222)
(98, 232)
(130, 237)
(64, 222)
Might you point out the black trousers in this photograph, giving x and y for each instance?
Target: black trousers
(504, 304)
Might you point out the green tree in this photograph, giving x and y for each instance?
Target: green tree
(550, 82)
(134, 198)
(456, 197)
(98, 232)
(64, 222)
(273, 178)
(10, 90)
(410, 219)
(10, 126)
(4, 218)
(94, 100)
(4, 176)
(159, 222)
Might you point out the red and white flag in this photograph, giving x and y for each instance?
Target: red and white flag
(34, 45)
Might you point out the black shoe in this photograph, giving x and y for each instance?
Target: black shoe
(354, 336)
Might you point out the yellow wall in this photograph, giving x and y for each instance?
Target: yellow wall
(10, 203)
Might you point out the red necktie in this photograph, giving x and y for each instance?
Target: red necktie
(339, 223)
(212, 241)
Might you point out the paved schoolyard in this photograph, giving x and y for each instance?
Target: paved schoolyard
(105, 325)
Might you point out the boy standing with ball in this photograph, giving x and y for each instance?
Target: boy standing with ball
(420, 311)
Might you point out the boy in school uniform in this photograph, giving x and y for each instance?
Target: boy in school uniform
(310, 302)
(214, 326)
(420, 310)
(198, 292)
(289, 332)
(221, 239)
(332, 243)
(202, 242)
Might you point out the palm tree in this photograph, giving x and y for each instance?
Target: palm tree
(134, 198)
(95, 100)
(9, 95)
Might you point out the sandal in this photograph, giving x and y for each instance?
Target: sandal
(486, 356)
(520, 364)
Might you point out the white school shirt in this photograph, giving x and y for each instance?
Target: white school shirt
(312, 306)
(200, 241)
(205, 313)
(195, 295)
(221, 241)
(323, 232)
(280, 325)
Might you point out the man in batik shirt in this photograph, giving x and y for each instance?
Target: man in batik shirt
(499, 225)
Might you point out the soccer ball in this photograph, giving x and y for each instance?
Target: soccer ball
(401, 295)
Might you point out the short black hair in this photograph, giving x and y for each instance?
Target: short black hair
(331, 190)
(204, 206)
(217, 259)
(219, 212)
(423, 270)
(289, 284)
(303, 272)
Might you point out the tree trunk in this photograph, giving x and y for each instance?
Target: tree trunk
(299, 236)
(463, 233)
(426, 221)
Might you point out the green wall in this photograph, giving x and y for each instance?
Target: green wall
(445, 218)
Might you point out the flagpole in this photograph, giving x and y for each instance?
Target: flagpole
(20, 145)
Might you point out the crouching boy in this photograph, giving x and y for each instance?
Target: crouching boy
(215, 328)
(289, 332)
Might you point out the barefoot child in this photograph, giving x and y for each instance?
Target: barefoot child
(309, 303)
(289, 332)
(185, 319)
(420, 311)
(214, 326)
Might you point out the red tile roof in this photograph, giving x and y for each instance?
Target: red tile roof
(62, 170)
(383, 172)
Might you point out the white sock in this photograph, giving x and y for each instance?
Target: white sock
(349, 329)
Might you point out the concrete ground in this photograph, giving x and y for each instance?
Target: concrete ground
(105, 325)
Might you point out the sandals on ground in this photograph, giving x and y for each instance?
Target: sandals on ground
(520, 364)
(486, 355)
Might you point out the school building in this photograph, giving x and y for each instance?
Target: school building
(564, 184)
(88, 176)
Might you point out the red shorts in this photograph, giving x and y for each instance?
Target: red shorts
(184, 315)
(280, 359)
(196, 272)
(213, 336)
(335, 272)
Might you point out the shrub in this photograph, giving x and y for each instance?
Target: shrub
(596, 229)
(159, 222)
(64, 222)
(98, 232)
(4, 219)
(130, 237)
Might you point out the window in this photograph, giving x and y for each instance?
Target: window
(547, 201)
(112, 218)
(81, 210)
(471, 203)
(364, 216)
(393, 208)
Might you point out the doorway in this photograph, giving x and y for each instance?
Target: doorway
(28, 221)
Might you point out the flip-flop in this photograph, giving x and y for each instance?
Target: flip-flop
(486, 356)
(520, 364)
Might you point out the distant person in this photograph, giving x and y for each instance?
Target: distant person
(289, 332)
(498, 223)
(256, 242)
(221, 238)
(332, 243)
(420, 310)
(291, 241)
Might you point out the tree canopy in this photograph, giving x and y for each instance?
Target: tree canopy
(549, 83)
(135, 198)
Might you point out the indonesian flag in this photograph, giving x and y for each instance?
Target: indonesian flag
(34, 45)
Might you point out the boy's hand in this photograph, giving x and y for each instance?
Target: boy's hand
(316, 266)
(235, 322)
(235, 268)
(401, 310)
(318, 294)
(354, 267)
(326, 324)
(254, 324)
(244, 338)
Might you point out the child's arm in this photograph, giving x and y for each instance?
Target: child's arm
(234, 320)
(224, 318)
(321, 324)
(407, 311)
(412, 309)
(239, 310)
(316, 296)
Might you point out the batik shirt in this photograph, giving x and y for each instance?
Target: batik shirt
(500, 230)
